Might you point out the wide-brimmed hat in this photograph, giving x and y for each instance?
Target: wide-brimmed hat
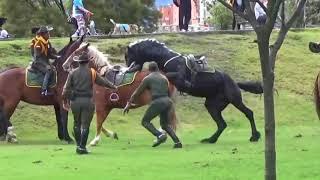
(82, 58)
(314, 47)
(44, 29)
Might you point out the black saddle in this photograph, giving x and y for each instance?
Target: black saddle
(116, 74)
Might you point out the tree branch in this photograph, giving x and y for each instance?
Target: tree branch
(283, 32)
(233, 9)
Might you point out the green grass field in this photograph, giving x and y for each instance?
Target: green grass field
(40, 155)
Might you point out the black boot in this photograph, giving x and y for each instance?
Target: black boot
(45, 83)
(83, 142)
(160, 139)
(174, 137)
(77, 135)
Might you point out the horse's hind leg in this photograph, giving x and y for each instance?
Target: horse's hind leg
(215, 106)
(249, 114)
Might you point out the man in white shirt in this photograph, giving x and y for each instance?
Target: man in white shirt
(3, 34)
(260, 14)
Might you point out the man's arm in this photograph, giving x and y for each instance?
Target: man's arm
(67, 88)
(103, 82)
(139, 90)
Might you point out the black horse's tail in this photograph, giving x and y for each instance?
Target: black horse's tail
(316, 96)
(251, 86)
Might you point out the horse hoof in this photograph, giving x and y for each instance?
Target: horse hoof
(255, 137)
(115, 136)
(205, 141)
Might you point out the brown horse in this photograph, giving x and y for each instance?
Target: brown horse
(13, 89)
(106, 99)
(316, 93)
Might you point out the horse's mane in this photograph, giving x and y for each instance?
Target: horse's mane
(148, 48)
(98, 58)
(8, 67)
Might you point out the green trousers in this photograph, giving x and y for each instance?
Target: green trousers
(159, 107)
(82, 110)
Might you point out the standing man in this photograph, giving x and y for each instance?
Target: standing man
(184, 13)
(42, 51)
(78, 90)
(81, 15)
(161, 105)
(260, 14)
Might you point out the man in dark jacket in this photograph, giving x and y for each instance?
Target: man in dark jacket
(79, 89)
(42, 51)
(161, 105)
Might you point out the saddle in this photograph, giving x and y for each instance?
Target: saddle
(197, 65)
(118, 75)
(34, 78)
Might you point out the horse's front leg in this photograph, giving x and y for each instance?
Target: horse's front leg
(64, 120)
(59, 122)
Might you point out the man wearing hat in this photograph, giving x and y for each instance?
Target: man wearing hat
(161, 105)
(42, 51)
(78, 89)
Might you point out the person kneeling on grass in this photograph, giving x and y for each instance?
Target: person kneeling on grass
(161, 105)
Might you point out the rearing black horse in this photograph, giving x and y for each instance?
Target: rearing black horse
(217, 87)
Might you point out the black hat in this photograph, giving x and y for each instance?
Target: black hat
(82, 58)
(44, 29)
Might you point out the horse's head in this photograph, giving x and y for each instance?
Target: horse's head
(147, 50)
(66, 51)
(97, 60)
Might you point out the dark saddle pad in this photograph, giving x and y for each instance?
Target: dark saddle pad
(35, 78)
(118, 76)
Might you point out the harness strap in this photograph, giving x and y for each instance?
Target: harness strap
(171, 60)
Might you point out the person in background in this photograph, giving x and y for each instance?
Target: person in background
(239, 5)
(4, 34)
(81, 15)
(260, 14)
(184, 13)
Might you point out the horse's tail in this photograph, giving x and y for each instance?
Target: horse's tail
(251, 86)
(316, 96)
(173, 118)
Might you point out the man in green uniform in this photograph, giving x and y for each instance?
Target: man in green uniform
(78, 89)
(42, 51)
(161, 105)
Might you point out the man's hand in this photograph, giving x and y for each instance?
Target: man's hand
(89, 14)
(127, 108)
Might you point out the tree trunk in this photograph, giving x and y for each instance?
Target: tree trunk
(269, 114)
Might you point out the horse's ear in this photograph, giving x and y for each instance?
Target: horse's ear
(87, 45)
(70, 39)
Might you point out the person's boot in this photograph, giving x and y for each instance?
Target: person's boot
(160, 139)
(83, 142)
(45, 84)
(77, 135)
(174, 137)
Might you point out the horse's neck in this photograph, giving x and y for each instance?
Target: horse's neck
(167, 57)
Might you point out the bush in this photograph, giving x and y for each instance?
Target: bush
(221, 16)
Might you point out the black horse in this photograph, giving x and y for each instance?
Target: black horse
(217, 87)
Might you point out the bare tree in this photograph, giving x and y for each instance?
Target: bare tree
(268, 53)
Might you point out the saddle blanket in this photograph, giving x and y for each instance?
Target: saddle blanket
(121, 79)
(35, 79)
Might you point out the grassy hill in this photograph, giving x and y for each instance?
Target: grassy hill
(40, 155)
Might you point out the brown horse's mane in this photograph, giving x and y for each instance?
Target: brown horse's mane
(8, 67)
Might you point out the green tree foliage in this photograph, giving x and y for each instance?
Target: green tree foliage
(221, 16)
(23, 15)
